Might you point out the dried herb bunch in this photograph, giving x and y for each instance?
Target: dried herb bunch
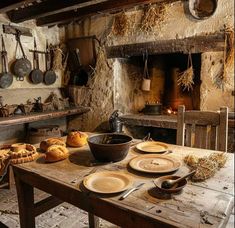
(185, 78)
(120, 25)
(222, 77)
(206, 166)
(152, 17)
(229, 39)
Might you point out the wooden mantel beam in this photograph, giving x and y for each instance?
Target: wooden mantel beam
(102, 7)
(198, 44)
(7, 5)
(45, 8)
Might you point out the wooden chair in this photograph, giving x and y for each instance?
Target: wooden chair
(202, 129)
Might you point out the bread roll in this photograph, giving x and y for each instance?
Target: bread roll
(56, 153)
(51, 141)
(77, 139)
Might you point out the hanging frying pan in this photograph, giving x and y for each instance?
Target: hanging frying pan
(6, 78)
(22, 67)
(49, 75)
(36, 75)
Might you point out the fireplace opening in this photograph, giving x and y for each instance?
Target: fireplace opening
(175, 94)
(165, 88)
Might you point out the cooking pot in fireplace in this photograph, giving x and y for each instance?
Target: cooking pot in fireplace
(152, 109)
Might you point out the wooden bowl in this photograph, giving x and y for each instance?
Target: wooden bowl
(177, 188)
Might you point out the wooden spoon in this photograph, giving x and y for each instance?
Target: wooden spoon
(170, 183)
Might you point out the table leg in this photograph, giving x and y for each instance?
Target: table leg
(93, 221)
(26, 203)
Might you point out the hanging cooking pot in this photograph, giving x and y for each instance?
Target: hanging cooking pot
(201, 9)
(50, 75)
(6, 78)
(22, 67)
(36, 75)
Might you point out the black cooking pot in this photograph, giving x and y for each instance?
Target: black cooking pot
(152, 109)
(109, 147)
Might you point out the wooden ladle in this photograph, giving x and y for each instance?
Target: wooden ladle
(170, 183)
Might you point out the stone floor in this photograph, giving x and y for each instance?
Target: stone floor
(62, 216)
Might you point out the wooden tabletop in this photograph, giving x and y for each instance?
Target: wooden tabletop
(209, 202)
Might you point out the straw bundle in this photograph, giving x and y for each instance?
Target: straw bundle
(120, 25)
(206, 166)
(58, 63)
(185, 78)
(222, 77)
(152, 17)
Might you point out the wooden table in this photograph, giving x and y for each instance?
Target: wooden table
(199, 205)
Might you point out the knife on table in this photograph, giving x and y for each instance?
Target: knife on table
(129, 191)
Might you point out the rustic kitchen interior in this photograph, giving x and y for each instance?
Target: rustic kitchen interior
(96, 99)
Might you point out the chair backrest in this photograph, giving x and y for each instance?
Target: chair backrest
(202, 129)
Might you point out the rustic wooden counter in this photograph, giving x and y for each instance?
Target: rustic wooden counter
(37, 116)
(200, 204)
(161, 121)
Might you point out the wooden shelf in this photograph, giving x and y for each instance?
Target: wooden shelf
(37, 116)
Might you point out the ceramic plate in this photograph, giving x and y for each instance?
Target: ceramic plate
(108, 182)
(152, 147)
(154, 163)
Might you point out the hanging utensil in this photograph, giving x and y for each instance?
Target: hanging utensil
(36, 75)
(6, 78)
(22, 67)
(146, 80)
(50, 75)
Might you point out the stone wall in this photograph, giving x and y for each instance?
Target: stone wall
(126, 77)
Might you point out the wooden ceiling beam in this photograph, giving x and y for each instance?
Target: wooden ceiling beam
(103, 7)
(196, 44)
(44, 9)
(7, 5)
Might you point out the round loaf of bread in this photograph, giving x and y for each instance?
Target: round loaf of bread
(76, 139)
(56, 153)
(45, 144)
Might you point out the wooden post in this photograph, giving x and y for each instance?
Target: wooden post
(223, 129)
(93, 221)
(26, 203)
(180, 126)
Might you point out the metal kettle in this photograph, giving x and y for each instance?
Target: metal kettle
(115, 123)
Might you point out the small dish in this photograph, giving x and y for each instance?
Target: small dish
(177, 188)
(108, 182)
(155, 163)
(152, 147)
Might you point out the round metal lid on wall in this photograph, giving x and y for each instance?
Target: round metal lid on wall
(201, 9)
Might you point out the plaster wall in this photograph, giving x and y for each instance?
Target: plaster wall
(126, 78)
(20, 91)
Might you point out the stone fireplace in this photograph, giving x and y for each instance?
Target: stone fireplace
(163, 71)
(118, 77)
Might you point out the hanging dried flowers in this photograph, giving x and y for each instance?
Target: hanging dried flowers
(221, 77)
(152, 17)
(120, 24)
(185, 78)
